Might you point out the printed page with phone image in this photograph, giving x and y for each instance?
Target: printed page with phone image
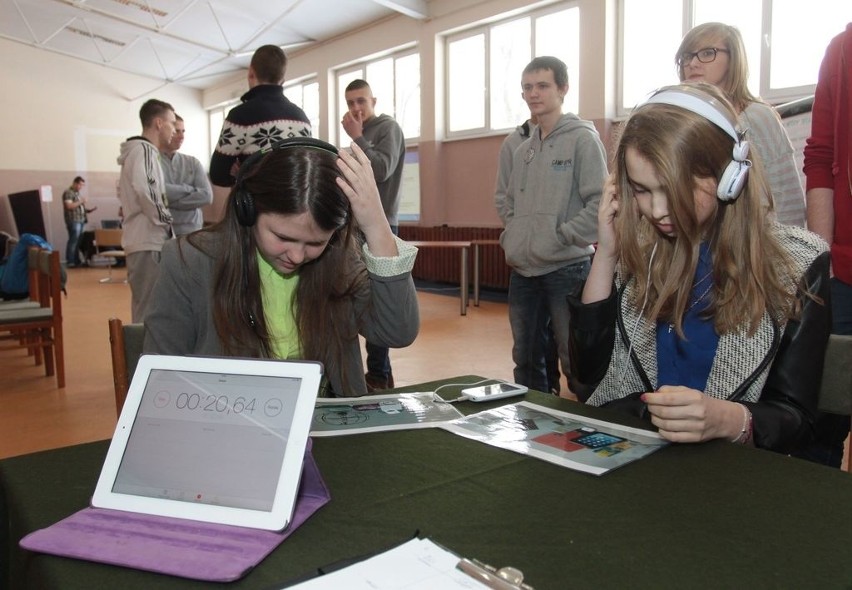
(375, 413)
(569, 440)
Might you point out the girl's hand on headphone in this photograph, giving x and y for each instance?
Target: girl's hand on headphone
(607, 210)
(360, 187)
(599, 282)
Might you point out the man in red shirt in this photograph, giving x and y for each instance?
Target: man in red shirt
(829, 203)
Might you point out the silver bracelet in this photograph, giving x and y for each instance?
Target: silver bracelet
(745, 434)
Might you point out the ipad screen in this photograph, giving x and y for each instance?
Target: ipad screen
(209, 438)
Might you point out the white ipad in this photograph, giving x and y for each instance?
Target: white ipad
(211, 439)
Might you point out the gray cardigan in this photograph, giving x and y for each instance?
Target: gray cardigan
(551, 205)
(179, 320)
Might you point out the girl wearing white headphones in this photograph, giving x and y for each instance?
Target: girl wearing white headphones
(700, 313)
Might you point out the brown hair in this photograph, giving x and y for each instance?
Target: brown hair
(288, 181)
(751, 270)
(151, 109)
(269, 64)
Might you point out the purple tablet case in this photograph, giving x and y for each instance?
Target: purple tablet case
(185, 548)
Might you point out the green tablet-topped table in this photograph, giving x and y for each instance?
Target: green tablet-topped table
(713, 515)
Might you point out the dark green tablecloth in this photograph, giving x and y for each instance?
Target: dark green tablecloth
(714, 515)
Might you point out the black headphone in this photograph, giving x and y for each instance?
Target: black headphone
(734, 177)
(242, 200)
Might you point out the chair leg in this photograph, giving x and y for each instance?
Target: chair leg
(59, 354)
(47, 350)
(33, 349)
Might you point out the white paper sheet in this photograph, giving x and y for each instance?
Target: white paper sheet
(418, 564)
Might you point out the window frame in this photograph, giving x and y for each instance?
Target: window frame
(485, 28)
(773, 95)
(301, 82)
(361, 66)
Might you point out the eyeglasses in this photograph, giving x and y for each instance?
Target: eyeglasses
(705, 56)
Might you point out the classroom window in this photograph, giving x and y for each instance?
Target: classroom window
(305, 95)
(467, 83)
(485, 63)
(785, 41)
(395, 83)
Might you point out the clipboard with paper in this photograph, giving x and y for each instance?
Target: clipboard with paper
(418, 564)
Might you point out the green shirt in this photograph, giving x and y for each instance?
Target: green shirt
(279, 293)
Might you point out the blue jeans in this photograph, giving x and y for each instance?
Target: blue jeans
(378, 357)
(832, 429)
(533, 303)
(72, 250)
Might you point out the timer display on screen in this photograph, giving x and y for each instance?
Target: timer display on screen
(234, 399)
(211, 402)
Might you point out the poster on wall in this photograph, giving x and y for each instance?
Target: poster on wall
(409, 205)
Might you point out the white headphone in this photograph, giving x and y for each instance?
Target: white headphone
(692, 99)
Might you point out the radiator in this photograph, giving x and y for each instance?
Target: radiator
(442, 264)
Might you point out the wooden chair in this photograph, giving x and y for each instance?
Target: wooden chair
(40, 328)
(835, 394)
(125, 343)
(111, 240)
(32, 302)
(32, 285)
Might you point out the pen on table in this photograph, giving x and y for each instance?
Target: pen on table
(487, 577)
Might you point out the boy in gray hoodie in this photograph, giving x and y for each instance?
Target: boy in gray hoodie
(142, 192)
(550, 218)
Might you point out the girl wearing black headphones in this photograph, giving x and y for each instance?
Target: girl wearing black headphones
(302, 262)
(700, 313)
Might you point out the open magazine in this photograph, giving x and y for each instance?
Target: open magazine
(569, 440)
(374, 413)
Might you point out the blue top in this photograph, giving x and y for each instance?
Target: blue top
(687, 362)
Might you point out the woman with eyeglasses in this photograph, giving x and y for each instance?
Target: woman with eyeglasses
(715, 53)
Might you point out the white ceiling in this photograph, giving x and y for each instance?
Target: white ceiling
(196, 43)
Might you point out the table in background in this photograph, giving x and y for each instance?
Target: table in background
(464, 250)
(714, 515)
(476, 244)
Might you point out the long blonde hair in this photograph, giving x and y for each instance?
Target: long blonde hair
(752, 272)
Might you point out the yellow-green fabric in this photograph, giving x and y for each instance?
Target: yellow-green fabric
(278, 292)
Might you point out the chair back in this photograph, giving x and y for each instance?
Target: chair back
(108, 238)
(50, 282)
(38, 327)
(835, 395)
(32, 271)
(125, 343)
